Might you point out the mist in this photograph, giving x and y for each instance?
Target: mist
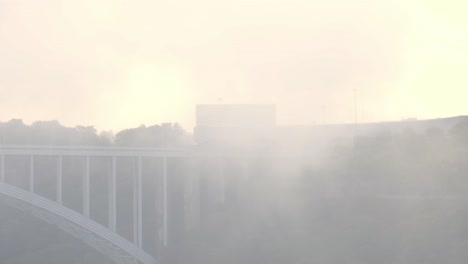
(175, 132)
(244, 190)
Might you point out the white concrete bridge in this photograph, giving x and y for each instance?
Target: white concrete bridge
(102, 237)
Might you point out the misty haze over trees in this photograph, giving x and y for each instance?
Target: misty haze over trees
(393, 196)
(292, 158)
(15, 132)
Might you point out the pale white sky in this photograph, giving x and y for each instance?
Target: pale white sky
(116, 64)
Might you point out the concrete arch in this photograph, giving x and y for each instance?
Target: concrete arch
(92, 233)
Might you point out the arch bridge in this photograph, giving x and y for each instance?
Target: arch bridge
(27, 163)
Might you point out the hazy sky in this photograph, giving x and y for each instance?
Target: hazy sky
(117, 64)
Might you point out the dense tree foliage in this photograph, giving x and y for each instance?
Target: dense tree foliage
(15, 132)
(390, 197)
(164, 135)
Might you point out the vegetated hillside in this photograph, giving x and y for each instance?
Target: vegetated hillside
(393, 196)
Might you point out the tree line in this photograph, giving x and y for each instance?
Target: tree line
(16, 132)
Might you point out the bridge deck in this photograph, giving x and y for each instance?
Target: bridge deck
(95, 151)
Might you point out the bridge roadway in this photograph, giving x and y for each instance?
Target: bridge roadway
(104, 238)
(118, 151)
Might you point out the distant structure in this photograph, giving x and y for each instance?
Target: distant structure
(234, 125)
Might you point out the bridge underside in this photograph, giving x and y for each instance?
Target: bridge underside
(102, 239)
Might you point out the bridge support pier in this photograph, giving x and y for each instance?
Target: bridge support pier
(86, 188)
(59, 180)
(137, 203)
(164, 202)
(31, 174)
(2, 172)
(112, 191)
